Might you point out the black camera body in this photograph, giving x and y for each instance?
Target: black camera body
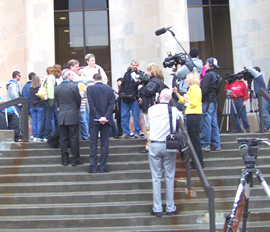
(245, 74)
(171, 60)
(249, 148)
(230, 78)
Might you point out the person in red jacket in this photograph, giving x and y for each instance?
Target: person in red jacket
(240, 96)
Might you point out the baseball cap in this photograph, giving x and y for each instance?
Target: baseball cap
(213, 62)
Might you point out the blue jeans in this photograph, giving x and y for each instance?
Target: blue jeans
(266, 115)
(242, 114)
(36, 114)
(84, 125)
(209, 125)
(125, 116)
(47, 125)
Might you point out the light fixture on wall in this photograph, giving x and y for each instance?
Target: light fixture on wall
(62, 18)
(66, 31)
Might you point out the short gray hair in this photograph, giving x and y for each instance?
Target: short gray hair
(66, 72)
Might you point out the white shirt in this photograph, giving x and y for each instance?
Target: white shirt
(159, 121)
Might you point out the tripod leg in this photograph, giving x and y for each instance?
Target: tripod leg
(245, 212)
(263, 182)
(232, 216)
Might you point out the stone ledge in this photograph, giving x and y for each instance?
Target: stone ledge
(6, 135)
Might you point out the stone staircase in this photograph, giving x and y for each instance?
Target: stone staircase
(38, 194)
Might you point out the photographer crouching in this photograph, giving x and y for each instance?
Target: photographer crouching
(239, 95)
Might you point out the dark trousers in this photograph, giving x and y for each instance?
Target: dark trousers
(104, 148)
(13, 124)
(69, 132)
(193, 127)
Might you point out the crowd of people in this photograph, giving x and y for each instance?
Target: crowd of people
(80, 105)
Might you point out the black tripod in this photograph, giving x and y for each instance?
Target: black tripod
(227, 110)
(248, 151)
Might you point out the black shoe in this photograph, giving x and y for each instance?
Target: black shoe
(77, 163)
(92, 171)
(144, 151)
(237, 131)
(157, 214)
(247, 130)
(173, 212)
(65, 164)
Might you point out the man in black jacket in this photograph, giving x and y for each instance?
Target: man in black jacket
(129, 102)
(68, 99)
(101, 102)
(209, 126)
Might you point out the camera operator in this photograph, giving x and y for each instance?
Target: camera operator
(193, 63)
(240, 96)
(259, 83)
(210, 86)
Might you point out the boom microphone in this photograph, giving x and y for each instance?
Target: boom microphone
(162, 30)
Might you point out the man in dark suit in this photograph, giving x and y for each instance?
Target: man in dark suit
(69, 100)
(101, 101)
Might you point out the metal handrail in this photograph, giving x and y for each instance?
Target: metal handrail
(207, 188)
(23, 114)
(262, 94)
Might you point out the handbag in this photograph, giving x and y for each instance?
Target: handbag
(42, 91)
(176, 140)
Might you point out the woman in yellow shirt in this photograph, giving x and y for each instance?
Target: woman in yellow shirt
(193, 102)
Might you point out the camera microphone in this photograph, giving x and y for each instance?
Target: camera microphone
(162, 30)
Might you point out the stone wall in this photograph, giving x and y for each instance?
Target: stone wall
(132, 28)
(250, 21)
(26, 38)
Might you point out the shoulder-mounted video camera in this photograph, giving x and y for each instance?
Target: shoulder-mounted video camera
(245, 74)
(171, 60)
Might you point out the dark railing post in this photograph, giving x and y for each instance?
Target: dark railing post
(24, 114)
(211, 206)
(207, 188)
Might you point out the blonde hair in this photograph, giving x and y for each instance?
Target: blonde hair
(155, 71)
(193, 78)
(36, 82)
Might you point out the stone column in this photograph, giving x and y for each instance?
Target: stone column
(26, 38)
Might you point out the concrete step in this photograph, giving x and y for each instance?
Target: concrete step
(99, 208)
(80, 175)
(38, 194)
(116, 196)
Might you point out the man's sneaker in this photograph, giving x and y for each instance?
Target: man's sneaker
(136, 136)
(206, 149)
(124, 136)
(173, 212)
(142, 135)
(215, 149)
(131, 135)
(157, 214)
